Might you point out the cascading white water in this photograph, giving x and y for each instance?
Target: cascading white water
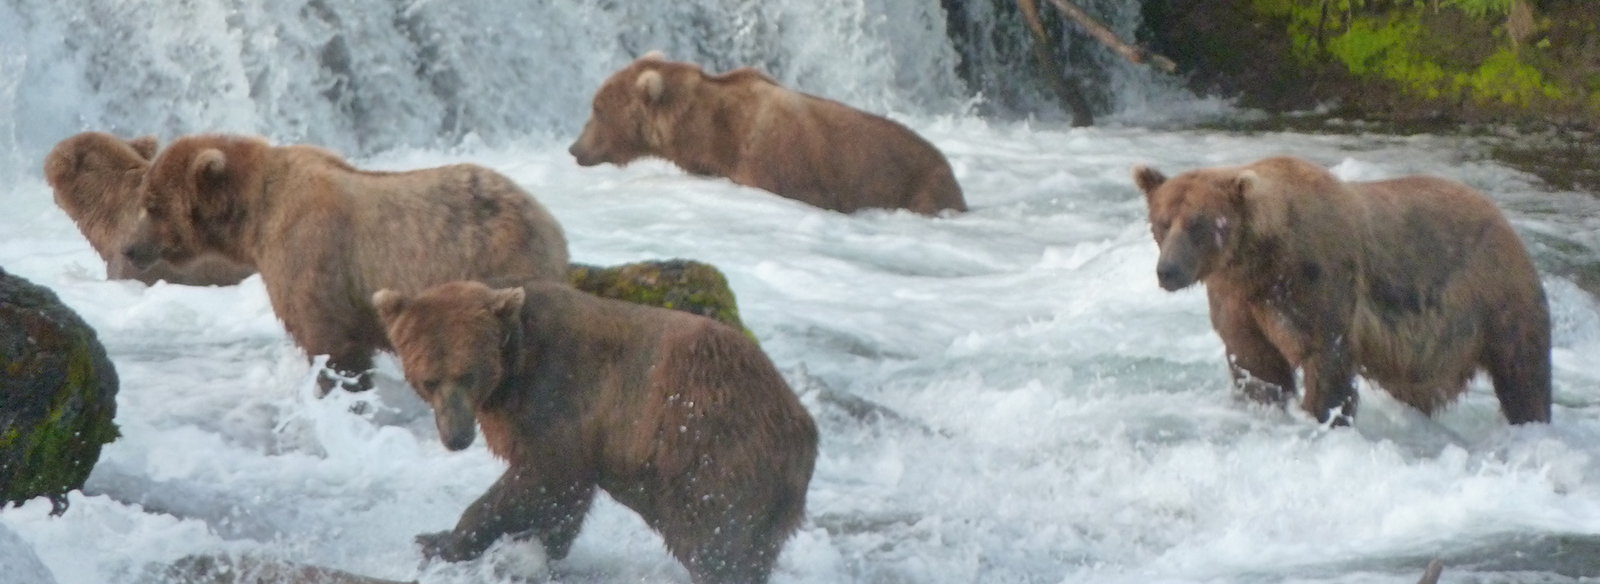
(1036, 408)
(363, 77)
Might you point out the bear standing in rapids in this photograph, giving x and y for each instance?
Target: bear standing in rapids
(1414, 282)
(678, 417)
(96, 178)
(744, 126)
(325, 235)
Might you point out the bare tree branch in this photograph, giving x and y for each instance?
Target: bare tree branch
(1109, 39)
(1067, 90)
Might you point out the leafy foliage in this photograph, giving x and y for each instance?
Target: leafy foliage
(1387, 39)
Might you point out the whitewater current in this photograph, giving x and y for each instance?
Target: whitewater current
(1003, 395)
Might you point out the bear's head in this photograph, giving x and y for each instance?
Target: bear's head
(623, 124)
(97, 174)
(456, 341)
(1199, 216)
(190, 200)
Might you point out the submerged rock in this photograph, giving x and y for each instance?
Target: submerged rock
(678, 284)
(58, 395)
(208, 569)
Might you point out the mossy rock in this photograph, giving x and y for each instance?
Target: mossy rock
(678, 284)
(58, 395)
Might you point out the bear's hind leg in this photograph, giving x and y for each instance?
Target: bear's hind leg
(1518, 361)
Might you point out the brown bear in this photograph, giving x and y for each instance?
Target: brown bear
(744, 126)
(325, 235)
(1414, 283)
(96, 177)
(681, 418)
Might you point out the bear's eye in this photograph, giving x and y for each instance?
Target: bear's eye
(430, 385)
(467, 380)
(1199, 229)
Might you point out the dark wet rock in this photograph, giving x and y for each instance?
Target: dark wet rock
(57, 395)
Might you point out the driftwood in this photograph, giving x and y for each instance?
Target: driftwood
(1109, 39)
(1431, 576)
(1067, 90)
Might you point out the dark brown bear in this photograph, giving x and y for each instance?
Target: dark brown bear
(744, 126)
(325, 235)
(678, 417)
(1415, 283)
(96, 181)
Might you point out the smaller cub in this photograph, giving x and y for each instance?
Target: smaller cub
(96, 179)
(678, 417)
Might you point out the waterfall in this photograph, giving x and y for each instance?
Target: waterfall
(363, 76)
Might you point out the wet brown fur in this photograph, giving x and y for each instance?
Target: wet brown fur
(679, 417)
(1414, 283)
(96, 177)
(326, 235)
(744, 126)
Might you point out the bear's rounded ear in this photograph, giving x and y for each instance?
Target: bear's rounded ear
(208, 164)
(389, 303)
(1147, 178)
(655, 55)
(146, 146)
(652, 86)
(507, 303)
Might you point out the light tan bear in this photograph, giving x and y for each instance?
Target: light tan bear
(325, 235)
(1414, 283)
(96, 177)
(681, 418)
(744, 126)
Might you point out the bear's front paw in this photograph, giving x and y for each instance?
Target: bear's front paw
(436, 545)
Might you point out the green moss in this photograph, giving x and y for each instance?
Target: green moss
(1390, 41)
(59, 452)
(684, 285)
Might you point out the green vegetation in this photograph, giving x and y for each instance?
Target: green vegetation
(685, 285)
(1455, 51)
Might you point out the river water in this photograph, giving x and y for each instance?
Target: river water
(1039, 410)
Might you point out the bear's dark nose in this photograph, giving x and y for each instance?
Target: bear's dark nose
(142, 254)
(1171, 276)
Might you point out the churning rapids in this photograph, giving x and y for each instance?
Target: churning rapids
(1044, 412)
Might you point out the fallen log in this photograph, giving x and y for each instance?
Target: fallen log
(1108, 38)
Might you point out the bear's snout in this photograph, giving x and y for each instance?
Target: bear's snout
(142, 254)
(455, 417)
(582, 154)
(1172, 276)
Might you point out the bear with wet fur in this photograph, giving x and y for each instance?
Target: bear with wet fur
(325, 235)
(96, 177)
(676, 416)
(1415, 283)
(743, 126)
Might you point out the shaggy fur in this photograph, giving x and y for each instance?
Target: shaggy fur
(679, 417)
(744, 126)
(1414, 283)
(325, 235)
(96, 181)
